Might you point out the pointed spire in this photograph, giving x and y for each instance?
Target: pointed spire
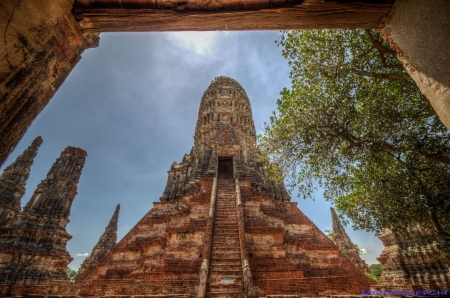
(106, 242)
(54, 195)
(346, 246)
(33, 246)
(13, 180)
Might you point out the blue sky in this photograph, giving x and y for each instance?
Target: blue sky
(132, 104)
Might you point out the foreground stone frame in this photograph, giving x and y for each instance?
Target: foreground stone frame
(43, 40)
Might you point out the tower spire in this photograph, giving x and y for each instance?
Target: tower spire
(54, 195)
(34, 244)
(13, 180)
(106, 242)
(343, 241)
(225, 129)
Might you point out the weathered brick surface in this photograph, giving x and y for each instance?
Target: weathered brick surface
(224, 128)
(12, 182)
(33, 245)
(341, 239)
(289, 255)
(162, 254)
(106, 242)
(408, 266)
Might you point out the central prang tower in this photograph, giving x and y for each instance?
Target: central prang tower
(224, 144)
(222, 229)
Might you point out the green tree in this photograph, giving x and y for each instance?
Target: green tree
(376, 269)
(72, 274)
(355, 124)
(329, 234)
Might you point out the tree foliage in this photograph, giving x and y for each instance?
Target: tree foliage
(72, 274)
(375, 272)
(329, 234)
(376, 269)
(355, 124)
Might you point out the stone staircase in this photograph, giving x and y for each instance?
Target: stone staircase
(225, 252)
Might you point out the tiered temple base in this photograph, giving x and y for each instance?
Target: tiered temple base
(162, 254)
(289, 255)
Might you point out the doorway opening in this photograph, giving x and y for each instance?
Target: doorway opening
(225, 167)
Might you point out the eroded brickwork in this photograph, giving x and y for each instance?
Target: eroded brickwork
(289, 255)
(162, 254)
(220, 216)
(345, 244)
(106, 242)
(224, 128)
(12, 182)
(33, 245)
(408, 266)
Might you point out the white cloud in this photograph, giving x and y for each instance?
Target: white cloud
(363, 250)
(82, 255)
(200, 42)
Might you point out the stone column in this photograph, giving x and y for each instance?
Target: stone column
(419, 30)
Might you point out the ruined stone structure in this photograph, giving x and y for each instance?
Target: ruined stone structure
(407, 266)
(225, 129)
(345, 244)
(107, 241)
(12, 182)
(33, 245)
(221, 228)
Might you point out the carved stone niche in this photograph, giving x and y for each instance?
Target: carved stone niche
(226, 118)
(225, 103)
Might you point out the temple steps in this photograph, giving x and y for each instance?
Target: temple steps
(227, 241)
(229, 294)
(130, 296)
(225, 253)
(226, 261)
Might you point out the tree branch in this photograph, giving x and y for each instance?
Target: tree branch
(437, 226)
(382, 50)
(384, 76)
(377, 44)
(439, 158)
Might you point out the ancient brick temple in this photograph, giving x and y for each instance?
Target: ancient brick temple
(107, 241)
(12, 182)
(222, 229)
(33, 252)
(343, 241)
(407, 266)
